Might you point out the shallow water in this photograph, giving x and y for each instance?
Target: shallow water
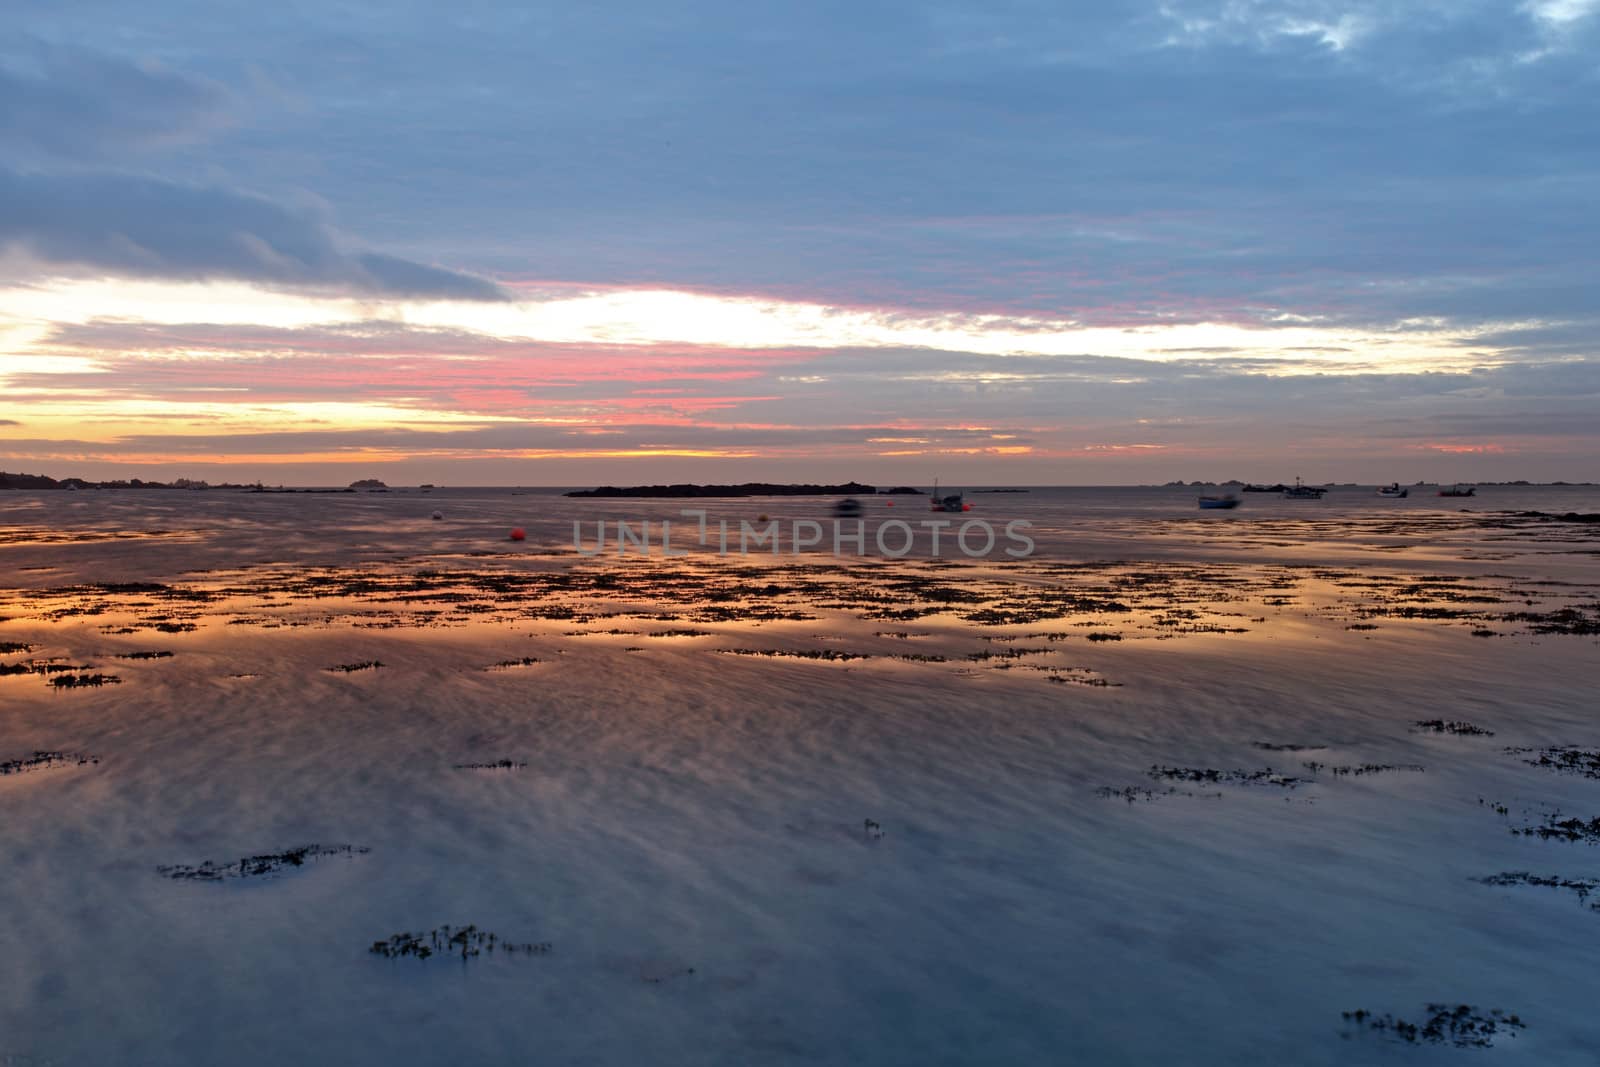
(792, 809)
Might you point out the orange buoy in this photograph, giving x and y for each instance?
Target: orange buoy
(519, 534)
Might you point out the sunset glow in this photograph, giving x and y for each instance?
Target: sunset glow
(204, 272)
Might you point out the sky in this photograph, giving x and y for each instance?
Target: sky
(1002, 243)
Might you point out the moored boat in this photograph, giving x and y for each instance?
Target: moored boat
(947, 502)
(1394, 490)
(1301, 491)
(1460, 490)
(1225, 501)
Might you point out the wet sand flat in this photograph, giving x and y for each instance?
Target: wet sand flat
(1269, 788)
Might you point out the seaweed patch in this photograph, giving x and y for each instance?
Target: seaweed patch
(78, 681)
(497, 765)
(1581, 886)
(351, 668)
(42, 760)
(1265, 776)
(1463, 1026)
(1460, 729)
(257, 866)
(463, 941)
(1564, 758)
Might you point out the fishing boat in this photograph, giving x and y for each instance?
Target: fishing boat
(1459, 490)
(1223, 502)
(1300, 491)
(1395, 490)
(848, 508)
(948, 502)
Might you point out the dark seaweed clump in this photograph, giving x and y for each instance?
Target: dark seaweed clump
(76, 681)
(8, 647)
(42, 760)
(1581, 886)
(1463, 1026)
(1267, 746)
(144, 655)
(34, 666)
(1559, 621)
(351, 668)
(1566, 759)
(1074, 676)
(511, 664)
(1556, 828)
(1265, 776)
(1135, 793)
(833, 655)
(1358, 769)
(258, 866)
(1461, 729)
(497, 765)
(466, 941)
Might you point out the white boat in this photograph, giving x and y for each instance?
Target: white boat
(1395, 490)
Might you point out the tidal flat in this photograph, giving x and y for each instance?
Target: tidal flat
(1304, 783)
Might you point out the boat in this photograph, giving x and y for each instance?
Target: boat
(1300, 491)
(1395, 490)
(1459, 490)
(948, 502)
(848, 508)
(1225, 501)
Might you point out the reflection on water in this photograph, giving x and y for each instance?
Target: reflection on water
(1331, 764)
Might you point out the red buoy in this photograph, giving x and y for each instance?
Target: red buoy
(519, 534)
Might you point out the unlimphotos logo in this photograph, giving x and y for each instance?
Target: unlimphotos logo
(893, 538)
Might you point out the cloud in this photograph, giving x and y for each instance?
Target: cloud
(133, 225)
(1560, 12)
(76, 104)
(1342, 167)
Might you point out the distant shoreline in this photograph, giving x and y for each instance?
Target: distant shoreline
(40, 482)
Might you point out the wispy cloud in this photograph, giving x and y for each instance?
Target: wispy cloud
(140, 227)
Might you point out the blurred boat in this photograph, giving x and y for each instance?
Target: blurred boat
(1394, 490)
(1299, 491)
(1227, 500)
(1459, 490)
(848, 508)
(948, 502)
